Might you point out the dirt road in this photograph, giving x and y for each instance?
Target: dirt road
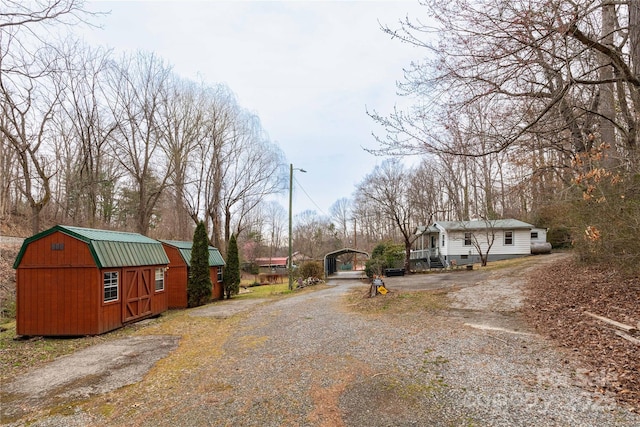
(456, 354)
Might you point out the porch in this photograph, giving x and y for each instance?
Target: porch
(426, 259)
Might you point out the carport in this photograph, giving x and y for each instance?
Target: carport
(330, 264)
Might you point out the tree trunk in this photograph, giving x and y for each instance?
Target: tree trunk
(407, 255)
(607, 101)
(35, 218)
(634, 35)
(484, 259)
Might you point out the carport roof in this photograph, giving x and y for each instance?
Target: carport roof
(344, 251)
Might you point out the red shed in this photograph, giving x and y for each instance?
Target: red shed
(82, 281)
(179, 254)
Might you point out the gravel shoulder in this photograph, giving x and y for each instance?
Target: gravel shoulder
(438, 350)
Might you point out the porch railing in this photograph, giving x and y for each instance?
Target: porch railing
(424, 253)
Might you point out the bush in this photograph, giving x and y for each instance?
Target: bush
(607, 213)
(199, 283)
(384, 255)
(559, 237)
(311, 269)
(231, 278)
(7, 309)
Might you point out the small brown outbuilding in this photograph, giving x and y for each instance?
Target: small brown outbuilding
(81, 281)
(179, 253)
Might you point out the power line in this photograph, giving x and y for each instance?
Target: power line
(309, 197)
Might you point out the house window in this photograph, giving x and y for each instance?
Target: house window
(508, 238)
(443, 240)
(464, 256)
(219, 274)
(159, 279)
(534, 234)
(110, 282)
(467, 239)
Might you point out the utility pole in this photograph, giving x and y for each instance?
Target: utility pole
(290, 260)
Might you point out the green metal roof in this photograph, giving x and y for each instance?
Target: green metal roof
(109, 248)
(503, 224)
(215, 258)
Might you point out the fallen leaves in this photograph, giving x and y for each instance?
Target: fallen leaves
(556, 300)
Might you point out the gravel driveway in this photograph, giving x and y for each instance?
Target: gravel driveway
(311, 360)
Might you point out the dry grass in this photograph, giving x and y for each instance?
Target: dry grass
(198, 355)
(395, 302)
(506, 263)
(276, 290)
(19, 355)
(199, 351)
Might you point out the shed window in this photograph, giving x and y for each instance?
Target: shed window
(159, 279)
(508, 238)
(110, 281)
(220, 275)
(467, 239)
(534, 234)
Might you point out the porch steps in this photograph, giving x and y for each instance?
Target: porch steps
(435, 262)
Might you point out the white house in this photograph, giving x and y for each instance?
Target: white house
(538, 235)
(447, 242)
(539, 244)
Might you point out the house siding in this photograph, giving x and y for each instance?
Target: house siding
(456, 249)
(450, 240)
(444, 249)
(542, 235)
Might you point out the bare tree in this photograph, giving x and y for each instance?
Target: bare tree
(28, 64)
(424, 190)
(85, 127)
(275, 225)
(139, 83)
(481, 238)
(314, 235)
(200, 160)
(231, 169)
(8, 174)
(28, 109)
(212, 156)
(253, 172)
(340, 212)
(181, 123)
(549, 68)
(387, 187)
(27, 15)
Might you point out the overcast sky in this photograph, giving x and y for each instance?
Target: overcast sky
(308, 69)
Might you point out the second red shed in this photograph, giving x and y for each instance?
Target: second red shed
(179, 253)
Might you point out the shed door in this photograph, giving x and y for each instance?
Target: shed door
(137, 294)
